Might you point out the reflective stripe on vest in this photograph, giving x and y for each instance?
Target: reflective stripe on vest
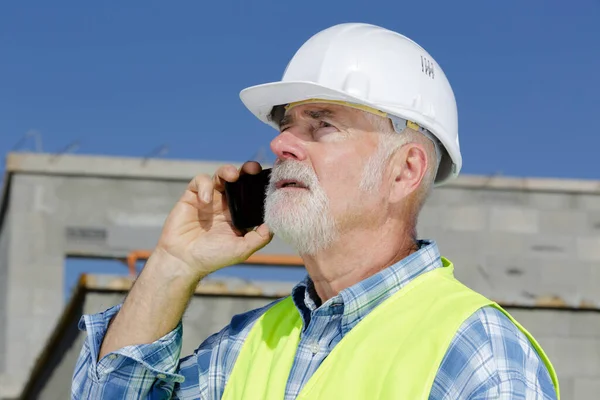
(393, 353)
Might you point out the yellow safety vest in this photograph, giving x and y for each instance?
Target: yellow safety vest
(393, 353)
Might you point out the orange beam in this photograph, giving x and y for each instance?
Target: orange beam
(275, 259)
(134, 256)
(261, 259)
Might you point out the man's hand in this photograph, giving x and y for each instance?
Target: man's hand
(198, 238)
(199, 231)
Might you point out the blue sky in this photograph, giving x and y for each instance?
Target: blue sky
(126, 79)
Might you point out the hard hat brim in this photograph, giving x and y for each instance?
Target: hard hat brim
(261, 99)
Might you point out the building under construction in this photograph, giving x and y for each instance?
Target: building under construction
(532, 245)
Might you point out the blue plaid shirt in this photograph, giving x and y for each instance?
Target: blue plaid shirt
(489, 357)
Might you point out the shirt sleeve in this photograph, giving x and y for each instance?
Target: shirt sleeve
(154, 370)
(141, 371)
(490, 358)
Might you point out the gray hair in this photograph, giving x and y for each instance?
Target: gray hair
(389, 142)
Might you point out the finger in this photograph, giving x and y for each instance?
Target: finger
(250, 167)
(258, 238)
(202, 185)
(225, 173)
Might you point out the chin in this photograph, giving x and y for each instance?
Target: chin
(300, 221)
(282, 201)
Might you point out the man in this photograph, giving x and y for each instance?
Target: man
(368, 125)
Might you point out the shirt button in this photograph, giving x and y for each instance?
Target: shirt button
(161, 376)
(112, 356)
(314, 348)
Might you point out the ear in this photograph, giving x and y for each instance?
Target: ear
(409, 165)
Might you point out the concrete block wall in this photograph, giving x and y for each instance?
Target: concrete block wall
(531, 248)
(572, 341)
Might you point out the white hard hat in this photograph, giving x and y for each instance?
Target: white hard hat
(375, 68)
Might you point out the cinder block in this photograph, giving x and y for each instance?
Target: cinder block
(459, 245)
(549, 247)
(588, 248)
(588, 202)
(505, 243)
(156, 197)
(539, 322)
(591, 223)
(450, 196)
(466, 251)
(19, 352)
(21, 193)
(574, 357)
(562, 279)
(431, 217)
(98, 302)
(41, 329)
(436, 198)
(567, 387)
(19, 299)
(37, 273)
(501, 198)
(525, 281)
(45, 302)
(586, 388)
(589, 290)
(465, 218)
(585, 324)
(135, 237)
(513, 279)
(563, 222)
(278, 246)
(513, 219)
(10, 385)
(551, 201)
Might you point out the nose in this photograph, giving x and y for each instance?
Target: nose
(288, 146)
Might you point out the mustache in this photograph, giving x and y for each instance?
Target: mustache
(293, 170)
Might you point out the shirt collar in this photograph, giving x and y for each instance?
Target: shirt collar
(358, 300)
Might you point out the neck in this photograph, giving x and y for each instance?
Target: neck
(355, 256)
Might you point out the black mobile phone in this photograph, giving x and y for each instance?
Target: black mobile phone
(246, 199)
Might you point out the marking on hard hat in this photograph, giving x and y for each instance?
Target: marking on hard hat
(427, 67)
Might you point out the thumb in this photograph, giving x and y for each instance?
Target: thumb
(258, 238)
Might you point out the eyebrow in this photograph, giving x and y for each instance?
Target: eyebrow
(313, 114)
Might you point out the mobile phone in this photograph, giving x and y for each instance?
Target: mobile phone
(246, 199)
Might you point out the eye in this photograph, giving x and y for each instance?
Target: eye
(284, 128)
(325, 131)
(323, 124)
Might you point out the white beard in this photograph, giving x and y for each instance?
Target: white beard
(300, 217)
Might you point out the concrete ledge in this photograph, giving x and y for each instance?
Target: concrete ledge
(527, 184)
(105, 166)
(155, 168)
(208, 286)
(277, 289)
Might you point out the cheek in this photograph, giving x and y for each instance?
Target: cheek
(340, 172)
